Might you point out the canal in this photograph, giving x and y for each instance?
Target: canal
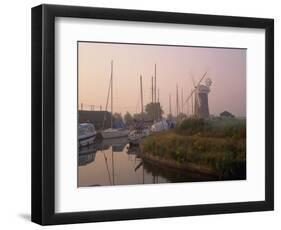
(115, 162)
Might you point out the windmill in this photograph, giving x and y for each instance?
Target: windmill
(199, 97)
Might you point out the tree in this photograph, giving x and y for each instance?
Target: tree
(154, 110)
(137, 117)
(226, 114)
(128, 118)
(118, 117)
(169, 116)
(182, 116)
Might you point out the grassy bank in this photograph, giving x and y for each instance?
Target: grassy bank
(218, 144)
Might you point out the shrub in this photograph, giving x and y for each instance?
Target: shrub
(192, 126)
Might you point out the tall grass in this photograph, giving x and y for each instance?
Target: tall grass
(228, 127)
(218, 144)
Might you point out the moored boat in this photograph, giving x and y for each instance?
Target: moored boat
(87, 134)
(114, 133)
(137, 135)
(160, 126)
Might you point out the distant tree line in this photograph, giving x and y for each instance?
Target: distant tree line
(151, 112)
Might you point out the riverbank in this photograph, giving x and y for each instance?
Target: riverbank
(184, 166)
(209, 147)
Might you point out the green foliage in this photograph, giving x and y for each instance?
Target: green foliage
(218, 144)
(229, 127)
(153, 109)
(181, 117)
(226, 114)
(128, 118)
(192, 126)
(170, 116)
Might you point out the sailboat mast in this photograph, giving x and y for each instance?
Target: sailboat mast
(141, 98)
(158, 105)
(152, 97)
(111, 94)
(170, 107)
(192, 111)
(158, 95)
(112, 157)
(112, 161)
(152, 89)
(182, 100)
(177, 102)
(155, 108)
(195, 103)
(187, 109)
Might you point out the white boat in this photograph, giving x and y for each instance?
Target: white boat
(114, 133)
(137, 135)
(160, 126)
(87, 134)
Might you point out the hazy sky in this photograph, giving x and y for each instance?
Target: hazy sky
(175, 65)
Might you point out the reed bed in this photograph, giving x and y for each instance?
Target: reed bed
(217, 144)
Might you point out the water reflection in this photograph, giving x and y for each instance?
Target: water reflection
(87, 159)
(114, 162)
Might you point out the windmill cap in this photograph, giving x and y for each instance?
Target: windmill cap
(203, 89)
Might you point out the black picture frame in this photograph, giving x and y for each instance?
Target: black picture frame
(43, 114)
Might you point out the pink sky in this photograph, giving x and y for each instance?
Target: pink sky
(226, 68)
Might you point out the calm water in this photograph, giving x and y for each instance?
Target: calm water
(114, 162)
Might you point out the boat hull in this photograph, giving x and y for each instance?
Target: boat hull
(136, 137)
(109, 134)
(134, 142)
(87, 140)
